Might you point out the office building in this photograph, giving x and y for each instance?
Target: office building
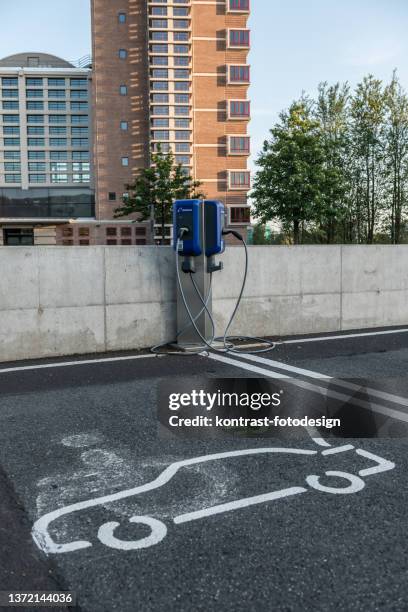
(45, 151)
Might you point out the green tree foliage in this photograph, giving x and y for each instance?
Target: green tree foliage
(335, 169)
(155, 188)
(287, 187)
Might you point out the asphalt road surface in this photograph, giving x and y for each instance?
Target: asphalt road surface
(261, 526)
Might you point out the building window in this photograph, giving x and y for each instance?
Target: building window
(83, 231)
(112, 196)
(58, 155)
(59, 166)
(34, 105)
(79, 82)
(126, 231)
(14, 118)
(239, 179)
(9, 82)
(124, 126)
(79, 106)
(34, 82)
(122, 17)
(36, 155)
(238, 109)
(111, 231)
(59, 178)
(37, 178)
(123, 90)
(68, 231)
(79, 94)
(123, 53)
(238, 74)
(238, 145)
(140, 231)
(36, 167)
(56, 93)
(58, 82)
(12, 178)
(10, 105)
(125, 161)
(238, 38)
(55, 118)
(240, 214)
(80, 155)
(67, 243)
(84, 243)
(159, 60)
(238, 6)
(10, 93)
(111, 242)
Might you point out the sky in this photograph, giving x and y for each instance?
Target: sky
(295, 44)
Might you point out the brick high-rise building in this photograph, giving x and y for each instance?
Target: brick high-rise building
(173, 73)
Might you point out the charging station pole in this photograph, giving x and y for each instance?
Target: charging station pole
(189, 339)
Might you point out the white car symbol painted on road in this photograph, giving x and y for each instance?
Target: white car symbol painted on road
(158, 529)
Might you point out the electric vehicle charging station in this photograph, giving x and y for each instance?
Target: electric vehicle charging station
(198, 227)
(198, 236)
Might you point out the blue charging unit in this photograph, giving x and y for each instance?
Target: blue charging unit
(214, 220)
(187, 214)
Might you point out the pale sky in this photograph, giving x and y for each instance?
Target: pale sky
(295, 44)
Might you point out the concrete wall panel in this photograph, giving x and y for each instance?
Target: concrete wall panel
(76, 300)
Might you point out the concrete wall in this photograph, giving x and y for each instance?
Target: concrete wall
(67, 300)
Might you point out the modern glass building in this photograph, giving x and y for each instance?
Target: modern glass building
(45, 148)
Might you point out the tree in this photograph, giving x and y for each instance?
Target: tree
(155, 188)
(288, 185)
(367, 131)
(396, 102)
(332, 112)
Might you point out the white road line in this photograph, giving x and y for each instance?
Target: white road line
(338, 449)
(316, 437)
(383, 465)
(345, 336)
(240, 503)
(390, 397)
(65, 364)
(393, 414)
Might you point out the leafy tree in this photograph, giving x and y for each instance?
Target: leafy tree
(332, 112)
(155, 188)
(396, 102)
(367, 131)
(287, 186)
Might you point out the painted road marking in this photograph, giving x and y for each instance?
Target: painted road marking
(239, 503)
(345, 336)
(396, 399)
(393, 414)
(40, 530)
(158, 530)
(382, 464)
(356, 483)
(338, 449)
(65, 364)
